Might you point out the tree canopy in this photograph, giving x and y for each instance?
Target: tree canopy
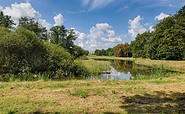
(5, 21)
(167, 41)
(32, 25)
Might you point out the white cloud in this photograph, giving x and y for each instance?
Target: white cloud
(151, 28)
(136, 27)
(101, 36)
(161, 16)
(16, 11)
(59, 20)
(94, 4)
(44, 23)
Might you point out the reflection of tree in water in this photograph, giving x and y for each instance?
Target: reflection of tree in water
(122, 66)
(129, 66)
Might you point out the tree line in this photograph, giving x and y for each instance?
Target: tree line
(120, 50)
(166, 42)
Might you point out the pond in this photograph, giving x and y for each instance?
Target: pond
(119, 70)
(125, 70)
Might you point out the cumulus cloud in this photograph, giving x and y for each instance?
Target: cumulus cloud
(101, 36)
(136, 27)
(94, 4)
(161, 16)
(17, 11)
(59, 20)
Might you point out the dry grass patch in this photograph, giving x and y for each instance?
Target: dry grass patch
(91, 96)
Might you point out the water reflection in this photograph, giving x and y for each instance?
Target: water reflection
(125, 70)
(115, 75)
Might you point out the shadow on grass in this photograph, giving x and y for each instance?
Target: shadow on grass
(160, 102)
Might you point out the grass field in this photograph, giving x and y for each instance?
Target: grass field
(161, 95)
(165, 95)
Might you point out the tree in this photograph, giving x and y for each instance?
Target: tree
(58, 34)
(78, 52)
(68, 42)
(172, 45)
(65, 38)
(109, 52)
(34, 26)
(122, 50)
(166, 42)
(5, 21)
(140, 45)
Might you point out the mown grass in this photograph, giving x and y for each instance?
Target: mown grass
(153, 95)
(98, 96)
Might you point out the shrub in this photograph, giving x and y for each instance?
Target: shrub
(58, 60)
(20, 51)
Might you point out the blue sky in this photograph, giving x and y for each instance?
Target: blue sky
(98, 23)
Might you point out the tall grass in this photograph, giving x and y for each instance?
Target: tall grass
(26, 76)
(95, 68)
(158, 74)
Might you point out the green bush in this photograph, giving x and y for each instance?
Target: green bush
(23, 54)
(20, 51)
(58, 60)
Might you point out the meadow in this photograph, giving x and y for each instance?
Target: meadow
(154, 95)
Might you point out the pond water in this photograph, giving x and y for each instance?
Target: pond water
(119, 70)
(124, 70)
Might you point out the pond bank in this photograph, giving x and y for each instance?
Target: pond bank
(162, 64)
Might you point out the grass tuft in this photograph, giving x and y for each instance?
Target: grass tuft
(79, 93)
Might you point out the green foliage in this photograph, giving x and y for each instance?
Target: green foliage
(122, 50)
(166, 42)
(65, 38)
(58, 60)
(79, 69)
(102, 52)
(140, 45)
(79, 52)
(95, 68)
(156, 75)
(32, 25)
(58, 33)
(20, 51)
(5, 21)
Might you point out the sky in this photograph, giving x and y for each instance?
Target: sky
(99, 24)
